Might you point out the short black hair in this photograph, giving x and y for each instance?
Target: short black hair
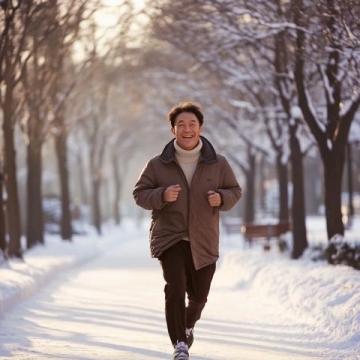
(186, 106)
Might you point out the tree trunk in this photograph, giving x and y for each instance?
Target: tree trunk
(313, 185)
(83, 185)
(337, 125)
(300, 242)
(249, 215)
(282, 172)
(117, 190)
(262, 188)
(333, 169)
(61, 153)
(96, 206)
(35, 225)
(2, 218)
(12, 201)
(350, 185)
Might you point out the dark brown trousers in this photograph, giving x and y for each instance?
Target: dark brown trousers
(181, 278)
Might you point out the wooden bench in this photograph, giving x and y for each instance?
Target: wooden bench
(264, 231)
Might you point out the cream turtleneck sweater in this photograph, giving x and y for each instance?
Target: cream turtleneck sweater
(188, 159)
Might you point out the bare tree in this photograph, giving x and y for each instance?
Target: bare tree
(15, 21)
(333, 59)
(38, 81)
(323, 69)
(94, 96)
(213, 35)
(2, 216)
(68, 22)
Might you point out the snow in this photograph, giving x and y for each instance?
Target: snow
(243, 105)
(104, 299)
(296, 112)
(354, 134)
(313, 112)
(328, 88)
(312, 295)
(329, 144)
(347, 105)
(20, 279)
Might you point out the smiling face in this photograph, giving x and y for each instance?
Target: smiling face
(187, 130)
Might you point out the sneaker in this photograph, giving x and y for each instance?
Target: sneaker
(181, 351)
(189, 336)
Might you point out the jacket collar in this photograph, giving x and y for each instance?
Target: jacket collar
(207, 153)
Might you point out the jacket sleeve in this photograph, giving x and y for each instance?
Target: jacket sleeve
(230, 190)
(146, 192)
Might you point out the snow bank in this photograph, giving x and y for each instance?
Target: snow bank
(318, 296)
(323, 296)
(22, 278)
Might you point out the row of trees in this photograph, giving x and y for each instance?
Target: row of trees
(56, 83)
(35, 40)
(276, 78)
(287, 74)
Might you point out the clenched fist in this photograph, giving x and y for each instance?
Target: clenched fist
(214, 198)
(171, 193)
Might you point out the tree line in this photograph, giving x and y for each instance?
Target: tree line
(279, 80)
(287, 75)
(56, 77)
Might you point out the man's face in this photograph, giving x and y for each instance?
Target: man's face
(187, 130)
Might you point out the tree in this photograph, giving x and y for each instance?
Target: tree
(15, 21)
(107, 65)
(38, 82)
(61, 42)
(2, 217)
(332, 59)
(286, 93)
(213, 35)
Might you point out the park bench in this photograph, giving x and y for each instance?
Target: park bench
(264, 231)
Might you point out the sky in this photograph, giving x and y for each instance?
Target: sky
(108, 16)
(107, 21)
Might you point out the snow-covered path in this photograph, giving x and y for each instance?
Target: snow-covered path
(112, 308)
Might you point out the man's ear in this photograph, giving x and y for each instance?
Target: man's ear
(173, 130)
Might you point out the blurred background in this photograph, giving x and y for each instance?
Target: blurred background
(85, 87)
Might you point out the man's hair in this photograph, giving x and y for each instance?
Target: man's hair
(186, 106)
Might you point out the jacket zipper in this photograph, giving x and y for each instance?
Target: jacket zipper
(188, 194)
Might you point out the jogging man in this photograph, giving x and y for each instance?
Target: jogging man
(185, 187)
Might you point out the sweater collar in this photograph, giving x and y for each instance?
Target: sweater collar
(193, 153)
(207, 152)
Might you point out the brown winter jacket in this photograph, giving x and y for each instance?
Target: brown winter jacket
(190, 215)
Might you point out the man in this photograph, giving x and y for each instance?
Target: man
(185, 187)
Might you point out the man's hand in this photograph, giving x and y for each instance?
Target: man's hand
(214, 198)
(171, 193)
